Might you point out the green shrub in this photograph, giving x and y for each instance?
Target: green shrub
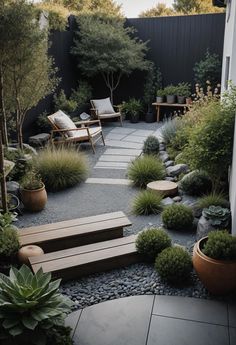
(220, 245)
(63, 103)
(151, 145)
(61, 168)
(178, 217)
(31, 181)
(174, 265)
(169, 130)
(196, 183)
(145, 169)
(43, 123)
(212, 199)
(147, 202)
(170, 90)
(82, 94)
(183, 89)
(208, 69)
(9, 243)
(217, 216)
(151, 242)
(30, 305)
(6, 219)
(22, 165)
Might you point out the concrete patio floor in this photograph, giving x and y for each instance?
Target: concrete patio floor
(155, 320)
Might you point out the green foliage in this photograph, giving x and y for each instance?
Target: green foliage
(178, 217)
(170, 90)
(132, 108)
(161, 93)
(208, 69)
(183, 89)
(220, 245)
(82, 94)
(158, 10)
(31, 181)
(63, 103)
(106, 7)
(22, 165)
(213, 199)
(110, 56)
(218, 216)
(147, 202)
(30, 304)
(174, 265)
(150, 84)
(145, 169)
(9, 243)
(151, 242)
(61, 167)
(59, 336)
(42, 122)
(57, 15)
(151, 145)
(196, 183)
(195, 6)
(6, 220)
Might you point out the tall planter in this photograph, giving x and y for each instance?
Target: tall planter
(218, 276)
(34, 200)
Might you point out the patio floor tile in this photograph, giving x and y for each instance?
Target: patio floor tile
(232, 314)
(111, 165)
(112, 181)
(122, 130)
(134, 139)
(169, 331)
(72, 320)
(191, 309)
(112, 158)
(232, 335)
(123, 152)
(118, 322)
(124, 144)
(115, 136)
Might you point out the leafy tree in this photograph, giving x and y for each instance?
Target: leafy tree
(195, 6)
(105, 47)
(159, 10)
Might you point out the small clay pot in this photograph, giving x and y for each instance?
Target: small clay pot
(28, 251)
(34, 200)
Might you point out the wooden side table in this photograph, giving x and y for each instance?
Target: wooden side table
(174, 105)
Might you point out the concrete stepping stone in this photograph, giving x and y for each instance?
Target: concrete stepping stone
(115, 136)
(143, 132)
(116, 143)
(111, 181)
(122, 130)
(134, 139)
(111, 165)
(123, 152)
(111, 158)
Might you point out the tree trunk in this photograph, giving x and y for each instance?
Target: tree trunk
(3, 178)
(3, 121)
(111, 94)
(20, 137)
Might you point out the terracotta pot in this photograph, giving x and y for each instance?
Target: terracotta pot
(189, 100)
(28, 251)
(34, 200)
(218, 276)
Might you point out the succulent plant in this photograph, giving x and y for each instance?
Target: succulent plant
(30, 304)
(218, 217)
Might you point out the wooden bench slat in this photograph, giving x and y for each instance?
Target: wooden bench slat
(70, 223)
(74, 231)
(82, 250)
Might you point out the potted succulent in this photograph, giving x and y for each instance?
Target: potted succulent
(214, 260)
(170, 92)
(33, 193)
(132, 109)
(183, 91)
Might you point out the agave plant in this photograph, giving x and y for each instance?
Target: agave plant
(30, 304)
(218, 217)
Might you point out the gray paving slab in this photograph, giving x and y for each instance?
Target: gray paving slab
(232, 314)
(122, 144)
(143, 132)
(119, 165)
(169, 331)
(113, 158)
(122, 130)
(134, 139)
(232, 336)
(191, 309)
(115, 136)
(72, 320)
(112, 181)
(119, 322)
(123, 152)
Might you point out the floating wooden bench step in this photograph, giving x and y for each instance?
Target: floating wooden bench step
(92, 258)
(75, 232)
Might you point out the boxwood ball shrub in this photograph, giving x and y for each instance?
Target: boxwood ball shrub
(220, 245)
(61, 167)
(145, 169)
(151, 242)
(196, 183)
(151, 145)
(174, 265)
(178, 217)
(147, 202)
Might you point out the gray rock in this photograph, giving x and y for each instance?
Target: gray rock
(176, 170)
(169, 164)
(164, 156)
(177, 198)
(39, 139)
(13, 187)
(14, 147)
(168, 178)
(167, 201)
(203, 228)
(162, 147)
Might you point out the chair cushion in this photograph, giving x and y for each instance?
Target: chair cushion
(63, 121)
(103, 106)
(104, 116)
(84, 134)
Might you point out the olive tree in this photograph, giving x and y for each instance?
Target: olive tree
(105, 47)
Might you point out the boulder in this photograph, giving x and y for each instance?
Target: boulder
(169, 164)
(162, 147)
(203, 228)
(177, 198)
(13, 187)
(176, 170)
(164, 156)
(167, 201)
(39, 139)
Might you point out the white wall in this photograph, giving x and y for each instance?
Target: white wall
(230, 51)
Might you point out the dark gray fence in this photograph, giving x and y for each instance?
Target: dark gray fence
(175, 45)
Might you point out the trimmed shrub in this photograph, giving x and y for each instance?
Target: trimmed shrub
(168, 131)
(9, 243)
(212, 199)
(174, 265)
(61, 167)
(196, 183)
(147, 202)
(145, 169)
(220, 245)
(178, 217)
(151, 242)
(151, 145)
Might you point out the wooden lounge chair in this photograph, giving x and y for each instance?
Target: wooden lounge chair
(70, 133)
(102, 109)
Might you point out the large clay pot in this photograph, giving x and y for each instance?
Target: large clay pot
(34, 200)
(218, 276)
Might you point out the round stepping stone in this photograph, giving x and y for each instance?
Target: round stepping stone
(167, 188)
(27, 251)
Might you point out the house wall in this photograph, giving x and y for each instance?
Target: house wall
(230, 52)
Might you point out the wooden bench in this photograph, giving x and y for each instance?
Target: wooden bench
(75, 232)
(92, 258)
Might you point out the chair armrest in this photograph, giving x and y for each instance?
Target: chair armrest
(67, 130)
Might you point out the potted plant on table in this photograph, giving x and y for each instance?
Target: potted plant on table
(170, 92)
(33, 193)
(183, 92)
(160, 98)
(214, 260)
